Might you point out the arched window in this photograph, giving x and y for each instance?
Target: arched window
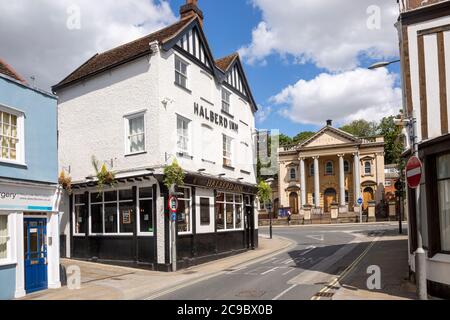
(311, 169)
(293, 174)
(329, 168)
(367, 168)
(346, 166)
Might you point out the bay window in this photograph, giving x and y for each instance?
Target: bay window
(229, 208)
(443, 177)
(184, 216)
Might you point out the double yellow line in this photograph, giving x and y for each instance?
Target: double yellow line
(345, 273)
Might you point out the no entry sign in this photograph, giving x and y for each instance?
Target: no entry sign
(173, 204)
(414, 172)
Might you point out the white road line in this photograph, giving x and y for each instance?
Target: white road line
(284, 292)
(269, 271)
(292, 269)
(287, 261)
(309, 249)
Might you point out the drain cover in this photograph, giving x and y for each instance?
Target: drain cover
(325, 294)
(251, 294)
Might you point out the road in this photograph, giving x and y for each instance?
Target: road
(303, 272)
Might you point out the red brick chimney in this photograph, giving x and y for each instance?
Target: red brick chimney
(191, 9)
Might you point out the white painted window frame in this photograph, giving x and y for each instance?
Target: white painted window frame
(188, 121)
(138, 212)
(225, 150)
(10, 226)
(227, 94)
(234, 203)
(186, 75)
(20, 146)
(127, 133)
(190, 210)
(74, 205)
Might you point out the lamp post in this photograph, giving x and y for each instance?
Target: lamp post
(270, 207)
(420, 259)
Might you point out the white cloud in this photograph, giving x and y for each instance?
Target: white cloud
(358, 94)
(263, 113)
(36, 41)
(333, 34)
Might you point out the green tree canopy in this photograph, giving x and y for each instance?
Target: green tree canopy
(264, 191)
(393, 145)
(361, 128)
(303, 136)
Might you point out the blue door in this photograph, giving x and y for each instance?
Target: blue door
(35, 253)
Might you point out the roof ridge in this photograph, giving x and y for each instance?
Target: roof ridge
(12, 70)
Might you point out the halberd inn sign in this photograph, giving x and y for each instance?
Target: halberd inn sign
(214, 117)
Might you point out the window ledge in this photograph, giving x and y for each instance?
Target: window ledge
(185, 155)
(8, 263)
(181, 87)
(227, 114)
(135, 154)
(13, 163)
(229, 168)
(208, 161)
(245, 172)
(441, 257)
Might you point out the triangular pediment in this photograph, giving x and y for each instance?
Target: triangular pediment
(329, 136)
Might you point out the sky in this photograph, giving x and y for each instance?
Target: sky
(306, 60)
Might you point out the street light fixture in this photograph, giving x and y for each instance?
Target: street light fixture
(382, 64)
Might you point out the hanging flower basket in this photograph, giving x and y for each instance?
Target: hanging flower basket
(104, 176)
(65, 181)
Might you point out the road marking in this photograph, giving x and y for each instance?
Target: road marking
(308, 250)
(288, 261)
(284, 292)
(316, 237)
(346, 272)
(269, 271)
(292, 269)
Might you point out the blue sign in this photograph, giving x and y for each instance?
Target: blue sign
(360, 201)
(174, 217)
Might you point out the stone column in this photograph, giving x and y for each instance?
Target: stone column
(316, 183)
(357, 177)
(302, 182)
(341, 181)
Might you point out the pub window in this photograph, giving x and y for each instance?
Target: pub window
(205, 218)
(4, 238)
(145, 210)
(443, 177)
(183, 135)
(112, 212)
(367, 168)
(184, 209)
(329, 168)
(229, 211)
(181, 75)
(226, 95)
(227, 151)
(79, 215)
(135, 131)
(11, 132)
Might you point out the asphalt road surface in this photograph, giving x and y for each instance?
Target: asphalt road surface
(320, 254)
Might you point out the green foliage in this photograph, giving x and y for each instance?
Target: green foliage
(285, 140)
(361, 128)
(104, 176)
(264, 191)
(302, 136)
(173, 175)
(393, 145)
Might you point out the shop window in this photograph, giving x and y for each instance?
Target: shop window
(4, 237)
(227, 151)
(226, 95)
(443, 176)
(229, 211)
(183, 136)
(135, 131)
(181, 75)
(112, 212)
(205, 219)
(329, 168)
(79, 215)
(11, 136)
(184, 209)
(145, 210)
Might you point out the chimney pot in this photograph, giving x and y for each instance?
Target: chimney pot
(191, 9)
(330, 123)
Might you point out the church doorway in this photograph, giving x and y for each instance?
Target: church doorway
(329, 197)
(367, 196)
(293, 202)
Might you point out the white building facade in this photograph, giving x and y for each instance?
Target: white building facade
(135, 109)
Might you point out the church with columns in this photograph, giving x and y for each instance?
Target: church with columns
(330, 172)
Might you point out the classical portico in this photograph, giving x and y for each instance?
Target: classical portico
(332, 169)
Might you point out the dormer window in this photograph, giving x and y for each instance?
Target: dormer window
(226, 104)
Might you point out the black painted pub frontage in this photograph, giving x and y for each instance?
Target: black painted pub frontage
(129, 224)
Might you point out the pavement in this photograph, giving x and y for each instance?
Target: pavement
(106, 282)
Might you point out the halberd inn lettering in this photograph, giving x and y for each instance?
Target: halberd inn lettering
(214, 117)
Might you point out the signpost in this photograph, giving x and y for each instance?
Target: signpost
(360, 202)
(173, 208)
(269, 208)
(399, 192)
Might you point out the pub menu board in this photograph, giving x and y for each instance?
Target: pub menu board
(126, 217)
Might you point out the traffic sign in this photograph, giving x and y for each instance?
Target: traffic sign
(173, 204)
(174, 217)
(360, 201)
(413, 172)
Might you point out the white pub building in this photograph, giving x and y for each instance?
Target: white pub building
(138, 107)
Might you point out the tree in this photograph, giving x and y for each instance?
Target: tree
(393, 144)
(173, 176)
(361, 128)
(302, 136)
(264, 192)
(284, 140)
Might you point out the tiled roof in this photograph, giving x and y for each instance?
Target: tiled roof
(9, 71)
(124, 53)
(225, 62)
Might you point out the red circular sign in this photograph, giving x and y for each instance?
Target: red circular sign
(173, 204)
(414, 172)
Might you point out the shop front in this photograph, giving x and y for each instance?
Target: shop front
(129, 224)
(29, 238)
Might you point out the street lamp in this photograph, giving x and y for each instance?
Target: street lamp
(269, 206)
(420, 259)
